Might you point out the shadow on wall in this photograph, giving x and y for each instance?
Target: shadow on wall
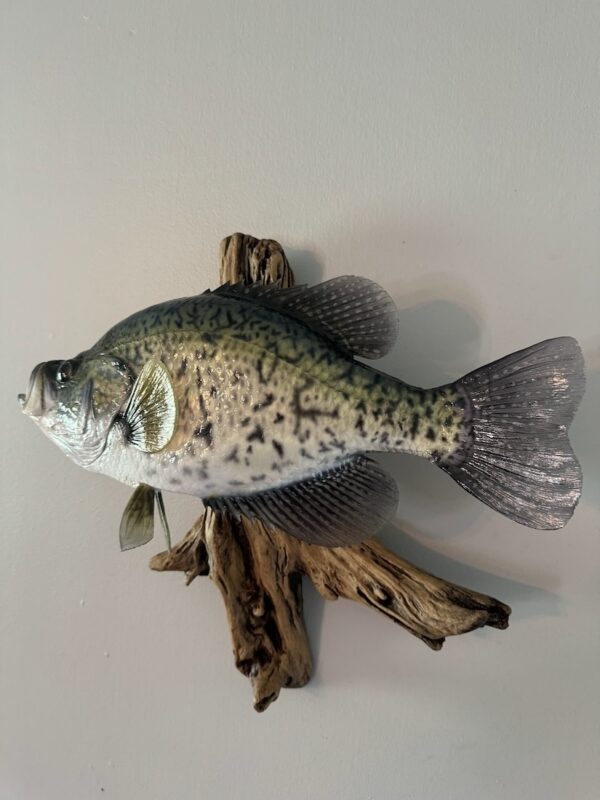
(306, 266)
(440, 339)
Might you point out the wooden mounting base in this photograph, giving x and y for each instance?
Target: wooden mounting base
(259, 571)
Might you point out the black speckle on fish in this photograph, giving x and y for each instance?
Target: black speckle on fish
(232, 455)
(256, 435)
(414, 425)
(269, 398)
(204, 432)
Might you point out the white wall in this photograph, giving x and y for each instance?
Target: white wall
(449, 150)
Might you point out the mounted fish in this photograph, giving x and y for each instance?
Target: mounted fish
(251, 398)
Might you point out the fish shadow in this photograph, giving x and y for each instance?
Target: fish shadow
(439, 341)
(306, 266)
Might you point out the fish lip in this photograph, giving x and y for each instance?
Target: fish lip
(32, 403)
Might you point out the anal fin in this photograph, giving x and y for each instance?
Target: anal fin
(337, 508)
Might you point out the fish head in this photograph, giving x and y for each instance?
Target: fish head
(75, 402)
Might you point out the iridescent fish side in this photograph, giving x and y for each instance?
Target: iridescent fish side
(252, 399)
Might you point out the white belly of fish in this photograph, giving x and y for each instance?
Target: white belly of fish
(228, 467)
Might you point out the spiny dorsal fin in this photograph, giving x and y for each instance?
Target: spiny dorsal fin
(337, 508)
(151, 411)
(357, 314)
(137, 522)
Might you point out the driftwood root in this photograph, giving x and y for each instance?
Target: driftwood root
(259, 570)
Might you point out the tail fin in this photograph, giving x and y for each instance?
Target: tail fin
(514, 453)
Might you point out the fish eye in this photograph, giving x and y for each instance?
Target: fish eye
(64, 372)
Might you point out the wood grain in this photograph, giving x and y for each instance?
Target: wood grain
(259, 570)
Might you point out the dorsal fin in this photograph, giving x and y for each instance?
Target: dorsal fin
(356, 314)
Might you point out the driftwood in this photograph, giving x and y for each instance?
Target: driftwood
(259, 571)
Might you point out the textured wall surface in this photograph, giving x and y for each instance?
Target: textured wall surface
(447, 150)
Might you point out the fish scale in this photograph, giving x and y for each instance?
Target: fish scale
(264, 401)
(252, 399)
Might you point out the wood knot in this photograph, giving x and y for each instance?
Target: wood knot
(258, 609)
(381, 594)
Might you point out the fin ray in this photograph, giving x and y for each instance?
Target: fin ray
(516, 456)
(137, 522)
(151, 411)
(337, 508)
(356, 314)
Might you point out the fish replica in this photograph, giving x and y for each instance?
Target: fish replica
(251, 398)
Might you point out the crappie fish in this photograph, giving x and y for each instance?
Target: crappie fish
(251, 398)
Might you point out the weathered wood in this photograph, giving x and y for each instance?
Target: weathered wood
(245, 259)
(259, 570)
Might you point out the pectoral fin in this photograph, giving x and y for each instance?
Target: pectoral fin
(137, 522)
(337, 508)
(151, 411)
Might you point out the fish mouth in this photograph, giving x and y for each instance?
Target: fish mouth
(32, 403)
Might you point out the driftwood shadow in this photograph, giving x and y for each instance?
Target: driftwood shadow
(257, 569)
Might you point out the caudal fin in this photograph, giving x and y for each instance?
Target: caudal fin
(514, 453)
